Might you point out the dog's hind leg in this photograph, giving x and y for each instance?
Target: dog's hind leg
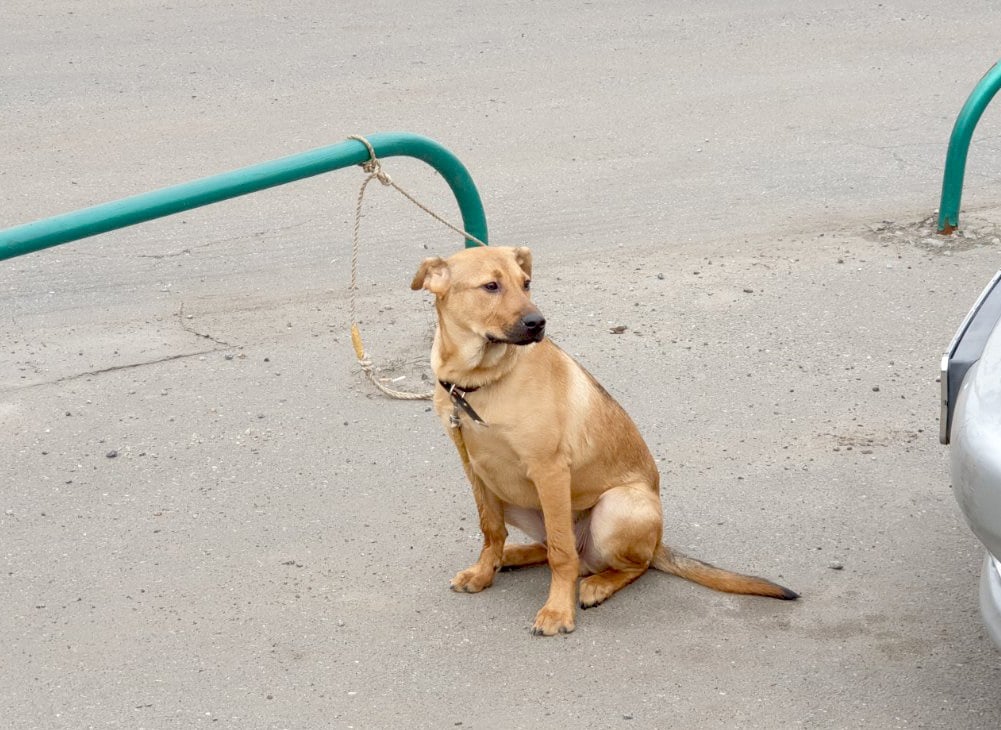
(519, 556)
(626, 526)
(530, 522)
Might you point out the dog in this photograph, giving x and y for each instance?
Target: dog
(545, 448)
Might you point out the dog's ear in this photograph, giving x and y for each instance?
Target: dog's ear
(432, 275)
(523, 255)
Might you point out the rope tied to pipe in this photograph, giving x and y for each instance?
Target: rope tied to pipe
(373, 169)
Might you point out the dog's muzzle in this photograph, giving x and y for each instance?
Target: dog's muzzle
(529, 329)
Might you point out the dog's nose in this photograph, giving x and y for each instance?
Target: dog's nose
(533, 322)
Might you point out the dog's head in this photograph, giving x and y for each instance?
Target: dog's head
(486, 291)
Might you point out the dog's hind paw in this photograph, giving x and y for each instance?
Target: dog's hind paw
(594, 591)
(472, 580)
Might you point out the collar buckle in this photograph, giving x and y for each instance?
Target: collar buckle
(458, 396)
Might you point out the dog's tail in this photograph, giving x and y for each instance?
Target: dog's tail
(712, 577)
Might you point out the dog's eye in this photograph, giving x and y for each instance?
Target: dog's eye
(528, 284)
(492, 286)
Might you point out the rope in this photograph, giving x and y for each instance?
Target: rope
(375, 172)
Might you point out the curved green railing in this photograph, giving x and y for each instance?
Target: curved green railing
(959, 145)
(35, 236)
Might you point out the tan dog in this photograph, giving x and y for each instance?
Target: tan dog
(545, 448)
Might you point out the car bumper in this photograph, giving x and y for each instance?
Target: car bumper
(990, 597)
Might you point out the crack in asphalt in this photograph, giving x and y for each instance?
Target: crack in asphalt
(192, 331)
(111, 369)
(220, 345)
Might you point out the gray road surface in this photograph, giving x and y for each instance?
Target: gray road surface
(208, 519)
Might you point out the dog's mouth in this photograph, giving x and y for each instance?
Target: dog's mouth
(523, 338)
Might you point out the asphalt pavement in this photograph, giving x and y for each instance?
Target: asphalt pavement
(208, 518)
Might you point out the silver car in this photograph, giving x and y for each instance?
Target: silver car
(971, 425)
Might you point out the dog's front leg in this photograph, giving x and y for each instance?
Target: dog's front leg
(553, 487)
(480, 574)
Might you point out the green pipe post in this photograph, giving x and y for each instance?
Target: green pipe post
(959, 145)
(40, 234)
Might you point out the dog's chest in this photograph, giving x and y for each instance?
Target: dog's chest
(496, 462)
(493, 451)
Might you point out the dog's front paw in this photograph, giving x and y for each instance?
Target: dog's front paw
(472, 580)
(551, 621)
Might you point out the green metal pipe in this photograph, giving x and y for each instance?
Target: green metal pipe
(31, 237)
(959, 145)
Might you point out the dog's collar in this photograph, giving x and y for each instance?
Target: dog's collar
(458, 395)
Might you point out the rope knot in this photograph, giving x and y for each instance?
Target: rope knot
(373, 168)
(371, 165)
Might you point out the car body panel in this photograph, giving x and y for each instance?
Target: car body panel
(971, 425)
(975, 451)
